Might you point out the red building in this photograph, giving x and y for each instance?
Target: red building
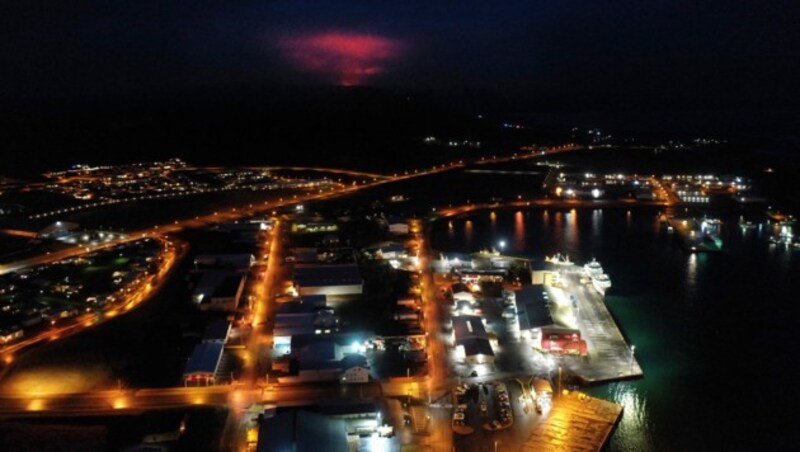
(562, 341)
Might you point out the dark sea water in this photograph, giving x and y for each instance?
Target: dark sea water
(714, 333)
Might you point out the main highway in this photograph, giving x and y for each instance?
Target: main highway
(109, 402)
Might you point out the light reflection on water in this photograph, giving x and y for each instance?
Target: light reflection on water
(671, 304)
(691, 274)
(572, 236)
(519, 232)
(633, 426)
(597, 220)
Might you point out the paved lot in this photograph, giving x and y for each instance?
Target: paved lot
(574, 424)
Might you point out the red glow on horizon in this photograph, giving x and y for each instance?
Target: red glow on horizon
(350, 58)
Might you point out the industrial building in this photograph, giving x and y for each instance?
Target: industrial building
(217, 331)
(327, 358)
(532, 310)
(208, 283)
(295, 318)
(201, 369)
(57, 230)
(470, 336)
(398, 226)
(328, 279)
(302, 431)
(226, 296)
(562, 341)
(242, 261)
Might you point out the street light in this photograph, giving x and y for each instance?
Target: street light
(633, 349)
(502, 244)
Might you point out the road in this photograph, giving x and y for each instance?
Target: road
(665, 192)
(111, 402)
(256, 353)
(438, 368)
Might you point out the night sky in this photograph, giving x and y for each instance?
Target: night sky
(556, 54)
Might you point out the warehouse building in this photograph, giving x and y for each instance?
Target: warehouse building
(470, 338)
(201, 369)
(328, 279)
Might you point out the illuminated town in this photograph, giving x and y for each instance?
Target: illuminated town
(352, 326)
(271, 227)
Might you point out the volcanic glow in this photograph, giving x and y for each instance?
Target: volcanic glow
(349, 58)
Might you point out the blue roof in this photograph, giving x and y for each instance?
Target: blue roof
(302, 431)
(205, 358)
(217, 330)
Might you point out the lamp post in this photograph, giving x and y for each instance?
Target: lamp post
(502, 245)
(633, 349)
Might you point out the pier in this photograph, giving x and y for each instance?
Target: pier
(610, 357)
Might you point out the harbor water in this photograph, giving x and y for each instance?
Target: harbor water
(714, 333)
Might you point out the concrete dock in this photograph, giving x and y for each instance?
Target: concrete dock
(610, 357)
(574, 423)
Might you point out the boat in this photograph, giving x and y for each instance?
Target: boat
(746, 224)
(559, 259)
(601, 282)
(593, 268)
(786, 233)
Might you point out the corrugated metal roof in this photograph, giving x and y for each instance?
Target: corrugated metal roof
(205, 358)
(217, 330)
(302, 431)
